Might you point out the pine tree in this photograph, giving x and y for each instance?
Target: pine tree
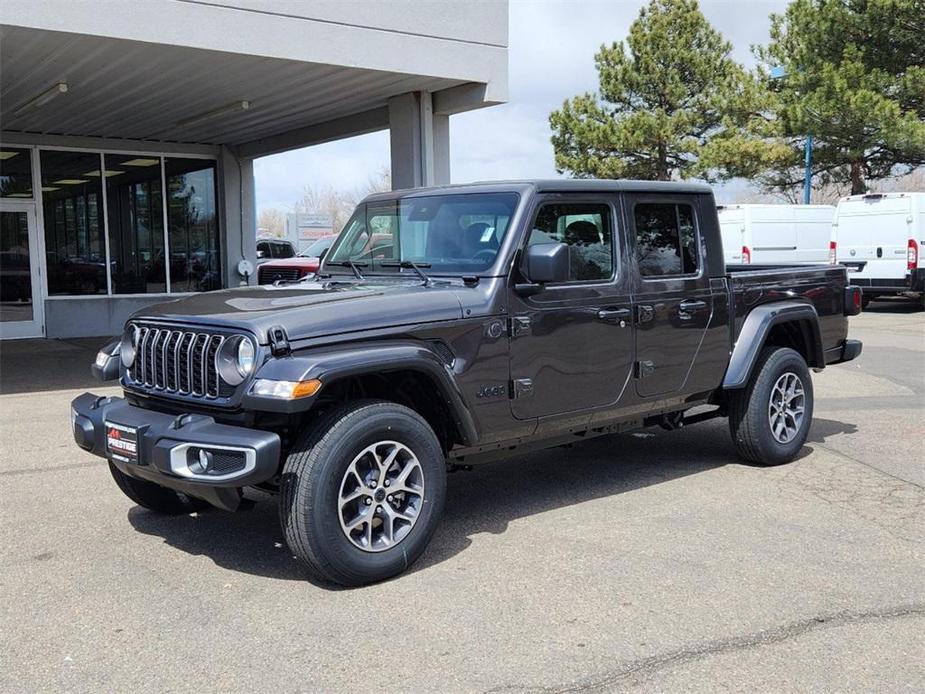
(854, 77)
(664, 95)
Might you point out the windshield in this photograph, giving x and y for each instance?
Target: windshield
(317, 247)
(449, 234)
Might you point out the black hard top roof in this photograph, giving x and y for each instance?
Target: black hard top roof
(555, 185)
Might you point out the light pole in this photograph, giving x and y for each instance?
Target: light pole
(777, 73)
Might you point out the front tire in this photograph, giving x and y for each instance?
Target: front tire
(155, 497)
(362, 492)
(770, 418)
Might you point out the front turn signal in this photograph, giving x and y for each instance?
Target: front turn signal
(285, 390)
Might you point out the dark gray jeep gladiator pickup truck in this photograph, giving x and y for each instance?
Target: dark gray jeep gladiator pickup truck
(451, 326)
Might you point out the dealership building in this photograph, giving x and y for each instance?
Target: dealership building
(128, 132)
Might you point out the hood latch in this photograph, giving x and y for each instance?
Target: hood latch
(279, 341)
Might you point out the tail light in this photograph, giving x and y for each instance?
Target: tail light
(853, 300)
(912, 255)
(746, 255)
(832, 255)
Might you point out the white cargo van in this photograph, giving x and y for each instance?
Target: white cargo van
(772, 234)
(879, 236)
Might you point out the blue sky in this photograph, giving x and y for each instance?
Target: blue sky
(552, 44)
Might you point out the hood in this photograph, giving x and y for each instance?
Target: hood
(313, 309)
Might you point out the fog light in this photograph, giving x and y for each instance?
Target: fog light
(101, 358)
(200, 460)
(285, 390)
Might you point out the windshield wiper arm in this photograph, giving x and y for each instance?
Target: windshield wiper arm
(352, 265)
(409, 265)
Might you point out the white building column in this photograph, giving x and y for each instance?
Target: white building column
(420, 142)
(238, 212)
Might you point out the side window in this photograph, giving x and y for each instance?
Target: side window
(283, 250)
(263, 249)
(666, 240)
(587, 228)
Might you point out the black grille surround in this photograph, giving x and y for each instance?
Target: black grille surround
(269, 275)
(174, 361)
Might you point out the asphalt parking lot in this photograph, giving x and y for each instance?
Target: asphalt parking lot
(653, 561)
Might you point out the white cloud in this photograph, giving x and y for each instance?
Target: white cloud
(552, 47)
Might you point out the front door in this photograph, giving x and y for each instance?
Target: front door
(572, 343)
(20, 283)
(673, 299)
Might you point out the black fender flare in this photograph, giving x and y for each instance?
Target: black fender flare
(754, 334)
(330, 365)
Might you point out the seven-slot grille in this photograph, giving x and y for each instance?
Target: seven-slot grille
(269, 275)
(178, 361)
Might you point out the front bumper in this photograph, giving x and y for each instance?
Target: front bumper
(168, 448)
(847, 351)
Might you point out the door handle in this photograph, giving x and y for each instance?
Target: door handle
(690, 306)
(614, 315)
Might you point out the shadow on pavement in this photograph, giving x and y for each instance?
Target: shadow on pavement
(31, 366)
(894, 304)
(824, 428)
(486, 499)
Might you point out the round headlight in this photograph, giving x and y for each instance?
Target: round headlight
(245, 357)
(129, 346)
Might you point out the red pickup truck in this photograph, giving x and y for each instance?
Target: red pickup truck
(306, 263)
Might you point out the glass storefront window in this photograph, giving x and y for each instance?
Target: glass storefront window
(15, 173)
(135, 208)
(72, 198)
(192, 225)
(139, 262)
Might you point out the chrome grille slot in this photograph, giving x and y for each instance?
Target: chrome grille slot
(180, 362)
(160, 365)
(198, 364)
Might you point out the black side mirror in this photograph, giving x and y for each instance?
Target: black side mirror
(261, 254)
(324, 252)
(547, 263)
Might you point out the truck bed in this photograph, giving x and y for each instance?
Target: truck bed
(822, 286)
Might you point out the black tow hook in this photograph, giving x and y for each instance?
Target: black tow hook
(181, 421)
(672, 421)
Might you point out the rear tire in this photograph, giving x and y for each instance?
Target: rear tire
(155, 497)
(770, 418)
(347, 512)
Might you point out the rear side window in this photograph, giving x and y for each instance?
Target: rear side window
(666, 240)
(587, 229)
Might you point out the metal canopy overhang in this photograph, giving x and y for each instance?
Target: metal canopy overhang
(121, 89)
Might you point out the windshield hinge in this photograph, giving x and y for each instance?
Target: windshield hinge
(279, 341)
(519, 325)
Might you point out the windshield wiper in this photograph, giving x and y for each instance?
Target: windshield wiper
(409, 265)
(352, 265)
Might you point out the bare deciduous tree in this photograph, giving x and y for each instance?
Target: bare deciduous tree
(337, 204)
(271, 222)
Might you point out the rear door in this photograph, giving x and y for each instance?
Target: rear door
(572, 344)
(732, 228)
(673, 300)
(814, 231)
(872, 236)
(773, 235)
